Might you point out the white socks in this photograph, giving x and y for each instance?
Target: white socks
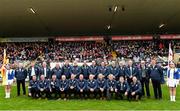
(7, 95)
(173, 98)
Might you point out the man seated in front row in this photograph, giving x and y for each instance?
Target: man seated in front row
(111, 86)
(72, 86)
(33, 87)
(81, 86)
(122, 88)
(102, 86)
(54, 87)
(92, 86)
(135, 89)
(64, 87)
(43, 87)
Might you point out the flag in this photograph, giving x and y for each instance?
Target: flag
(4, 59)
(170, 55)
(3, 70)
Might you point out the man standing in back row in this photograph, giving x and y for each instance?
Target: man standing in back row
(21, 75)
(156, 75)
(144, 78)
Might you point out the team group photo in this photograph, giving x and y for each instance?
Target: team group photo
(89, 55)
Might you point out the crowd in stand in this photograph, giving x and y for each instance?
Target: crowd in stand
(136, 50)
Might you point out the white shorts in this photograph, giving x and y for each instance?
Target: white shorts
(10, 82)
(171, 83)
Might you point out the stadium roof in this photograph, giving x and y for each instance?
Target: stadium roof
(88, 17)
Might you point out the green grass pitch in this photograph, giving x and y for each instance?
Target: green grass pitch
(26, 103)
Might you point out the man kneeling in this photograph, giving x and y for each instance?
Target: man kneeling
(81, 86)
(43, 87)
(122, 88)
(64, 87)
(102, 86)
(54, 87)
(111, 86)
(135, 89)
(92, 86)
(33, 87)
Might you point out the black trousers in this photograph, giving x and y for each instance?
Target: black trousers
(72, 92)
(45, 93)
(65, 92)
(109, 94)
(145, 84)
(136, 96)
(54, 93)
(82, 95)
(34, 92)
(157, 89)
(19, 82)
(102, 94)
(120, 93)
(94, 93)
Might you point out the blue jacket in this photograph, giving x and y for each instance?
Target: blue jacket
(11, 75)
(114, 70)
(43, 84)
(57, 72)
(111, 84)
(137, 88)
(122, 86)
(102, 83)
(134, 71)
(176, 73)
(64, 84)
(54, 84)
(81, 84)
(92, 84)
(103, 70)
(37, 72)
(121, 71)
(66, 69)
(140, 70)
(33, 84)
(85, 71)
(156, 73)
(76, 70)
(73, 83)
(21, 74)
(48, 72)
(93, 70)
